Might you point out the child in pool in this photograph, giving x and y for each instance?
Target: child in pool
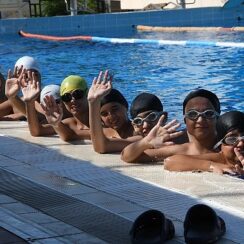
(73, 93)
(145, 111)
(26, 69)
(102, 101)
(201, 109)
(111, 106)
(30, 94)
(230, 158)
(7, 111)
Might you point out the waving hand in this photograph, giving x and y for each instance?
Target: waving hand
(101, 86)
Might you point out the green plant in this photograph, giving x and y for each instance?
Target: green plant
(58, 7)
(53, 8)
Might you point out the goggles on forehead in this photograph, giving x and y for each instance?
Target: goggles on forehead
(230, 141)
(76, 94)
(207, 114)
(152, 117)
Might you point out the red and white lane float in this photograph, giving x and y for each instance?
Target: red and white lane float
(133, 41)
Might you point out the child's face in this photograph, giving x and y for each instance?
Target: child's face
(75, 101)
(114, 115)
(202, 127)
(145, 121)
(233, 139)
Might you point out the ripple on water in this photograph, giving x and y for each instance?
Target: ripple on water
(168, 71)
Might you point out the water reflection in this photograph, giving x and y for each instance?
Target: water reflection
(167, 71)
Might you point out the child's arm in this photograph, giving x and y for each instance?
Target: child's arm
(101, 86)
(155, 146)
(196, 163)
(30, 94)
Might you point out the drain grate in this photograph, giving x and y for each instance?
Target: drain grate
(84, 216)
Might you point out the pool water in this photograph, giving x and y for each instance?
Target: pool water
(170, 71)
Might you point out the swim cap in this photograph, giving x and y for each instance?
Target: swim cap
(203, 93)
(27, 63)
(72, 82)
(114, 96)
(50, 90)
(145, 102)
(233, 120)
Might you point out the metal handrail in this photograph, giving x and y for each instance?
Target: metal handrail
(183, 3)
(83, 7)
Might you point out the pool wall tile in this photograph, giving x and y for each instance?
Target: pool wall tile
(94, 24)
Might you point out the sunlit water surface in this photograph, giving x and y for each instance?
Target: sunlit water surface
(169, 71)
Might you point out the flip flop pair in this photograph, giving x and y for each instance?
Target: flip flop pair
(201, 226)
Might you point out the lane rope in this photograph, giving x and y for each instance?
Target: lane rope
(188, 29)
(132, 40)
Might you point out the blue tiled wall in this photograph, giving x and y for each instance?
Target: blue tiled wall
(118, 23)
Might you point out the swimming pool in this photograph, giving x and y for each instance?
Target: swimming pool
(168, 71)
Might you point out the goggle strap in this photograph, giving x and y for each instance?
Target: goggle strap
(217, 144)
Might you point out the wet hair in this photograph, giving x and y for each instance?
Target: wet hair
(233, 120)
(203, 93)
(114, 96)
(145, 102)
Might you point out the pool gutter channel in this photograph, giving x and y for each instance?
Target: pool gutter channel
(91, 219)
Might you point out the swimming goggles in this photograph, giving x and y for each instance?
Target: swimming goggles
(207, 114)
(76, 94)
(153, 116)
(230, 141)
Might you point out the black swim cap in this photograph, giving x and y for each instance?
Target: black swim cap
(203, 93)
(233, 120)
(114, 96)
(145, 102)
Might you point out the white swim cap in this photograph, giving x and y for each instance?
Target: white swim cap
(28, 63)
(53, 90)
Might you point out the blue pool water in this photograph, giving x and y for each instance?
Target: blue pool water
(167, 71)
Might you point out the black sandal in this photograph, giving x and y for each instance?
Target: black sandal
(151, 227)
(202, 225)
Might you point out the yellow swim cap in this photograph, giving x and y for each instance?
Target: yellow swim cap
(72, 82)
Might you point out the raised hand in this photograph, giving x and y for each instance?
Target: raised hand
(162, 135)
(17, 71)
(31, 89)
(240, 156)
(12, 85)
(101, 86)
(52, 110)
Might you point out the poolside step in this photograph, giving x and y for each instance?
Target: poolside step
(84, 216)
(105, 183)
(25, 224)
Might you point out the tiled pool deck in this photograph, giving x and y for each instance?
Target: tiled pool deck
(104, 186)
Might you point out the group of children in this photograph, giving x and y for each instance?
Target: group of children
(210, 142)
